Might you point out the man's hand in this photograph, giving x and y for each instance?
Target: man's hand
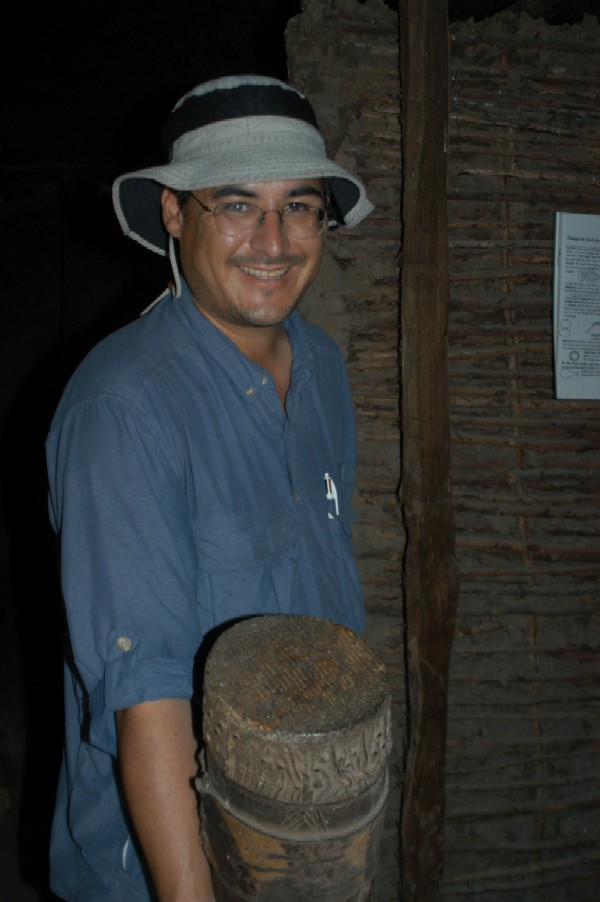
(157, 758)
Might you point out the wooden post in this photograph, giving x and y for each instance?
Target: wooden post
(431, 576)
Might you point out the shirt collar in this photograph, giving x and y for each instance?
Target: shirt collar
(244, 372)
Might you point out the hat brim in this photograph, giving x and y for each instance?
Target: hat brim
(136, 195)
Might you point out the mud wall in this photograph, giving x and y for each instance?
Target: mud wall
(522, 787)
(344, 56)
(522, 792)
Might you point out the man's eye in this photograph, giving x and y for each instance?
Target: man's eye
(298, 207)
(236, 208)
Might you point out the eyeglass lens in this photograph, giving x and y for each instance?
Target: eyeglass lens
(297, 220)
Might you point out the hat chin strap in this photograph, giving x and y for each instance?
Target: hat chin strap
(176, 292)
(175, 288)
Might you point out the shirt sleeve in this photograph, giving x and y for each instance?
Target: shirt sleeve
(128, 560)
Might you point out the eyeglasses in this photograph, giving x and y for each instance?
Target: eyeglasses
(239, 219)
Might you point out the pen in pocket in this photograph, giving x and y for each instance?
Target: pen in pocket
(331, 495)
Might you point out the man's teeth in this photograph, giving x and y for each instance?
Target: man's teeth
(263, 273)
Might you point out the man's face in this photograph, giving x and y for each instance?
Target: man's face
(252, 281)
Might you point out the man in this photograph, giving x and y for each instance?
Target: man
(201, 467)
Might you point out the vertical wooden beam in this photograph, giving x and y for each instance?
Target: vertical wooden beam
(431, 586)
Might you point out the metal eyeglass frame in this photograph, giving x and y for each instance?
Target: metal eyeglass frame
(321, 218)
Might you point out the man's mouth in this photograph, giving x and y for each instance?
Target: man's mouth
(266, 274)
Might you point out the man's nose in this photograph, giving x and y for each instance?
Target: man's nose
(269, 236)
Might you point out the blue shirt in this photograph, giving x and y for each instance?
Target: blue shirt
(183, 497)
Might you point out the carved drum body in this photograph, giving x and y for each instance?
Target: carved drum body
(297, 734)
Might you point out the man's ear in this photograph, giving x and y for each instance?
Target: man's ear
(171, 212)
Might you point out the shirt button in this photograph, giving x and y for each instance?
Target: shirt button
(124, 643)
(297, 497)
(250, 391)
(264, 380)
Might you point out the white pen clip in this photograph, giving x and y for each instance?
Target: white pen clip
(331, 495)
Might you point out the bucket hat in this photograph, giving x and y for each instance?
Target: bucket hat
(229, 131)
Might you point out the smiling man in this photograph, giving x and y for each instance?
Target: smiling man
(259, 265)
(201, 466)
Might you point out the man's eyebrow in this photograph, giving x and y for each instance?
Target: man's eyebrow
(232, 191)
(304, 190)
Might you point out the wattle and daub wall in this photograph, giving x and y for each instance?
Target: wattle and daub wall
(344, 56)
(522, 786)
(522, 806)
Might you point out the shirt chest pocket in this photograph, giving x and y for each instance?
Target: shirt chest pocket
(247, 566)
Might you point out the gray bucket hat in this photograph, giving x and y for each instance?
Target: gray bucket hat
(232, 130)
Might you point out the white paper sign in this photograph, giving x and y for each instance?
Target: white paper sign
(577, 305)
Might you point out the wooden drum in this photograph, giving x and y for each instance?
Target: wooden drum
(297, 730)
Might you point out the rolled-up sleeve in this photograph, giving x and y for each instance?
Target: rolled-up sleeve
(128, 559)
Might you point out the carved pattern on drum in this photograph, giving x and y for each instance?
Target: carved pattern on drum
(301, 769)
(297, 728)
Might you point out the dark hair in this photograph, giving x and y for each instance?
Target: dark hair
(182, 196)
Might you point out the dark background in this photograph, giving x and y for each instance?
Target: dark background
(85, 90)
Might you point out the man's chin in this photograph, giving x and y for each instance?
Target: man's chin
(266, 318)
(268, 310)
